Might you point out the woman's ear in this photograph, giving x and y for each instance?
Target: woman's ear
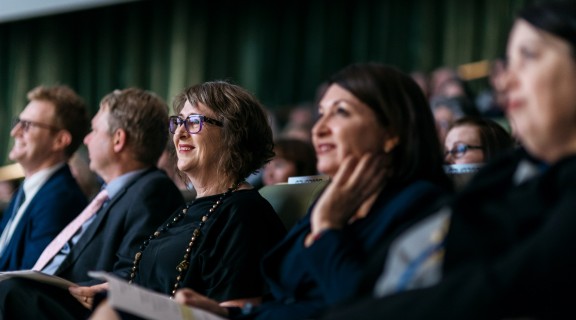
(390, 143)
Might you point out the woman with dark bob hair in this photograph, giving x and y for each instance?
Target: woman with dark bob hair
(510, 242)
(376, 139)
(215, 243)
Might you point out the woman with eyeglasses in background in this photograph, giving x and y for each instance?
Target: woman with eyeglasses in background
(475, 140)
(215, 243)
(470, 142)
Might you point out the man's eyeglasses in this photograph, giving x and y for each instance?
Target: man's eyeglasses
(25, 125)
(193, 123)
(460, 150)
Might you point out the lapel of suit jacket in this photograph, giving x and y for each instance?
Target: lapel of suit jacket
(6, 216)
(3, 224)
(92, 230)
(36, 202)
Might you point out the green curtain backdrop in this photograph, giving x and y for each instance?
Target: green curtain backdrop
(280, 50)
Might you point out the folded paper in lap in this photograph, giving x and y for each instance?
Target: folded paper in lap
(146, 303)
(38, 276)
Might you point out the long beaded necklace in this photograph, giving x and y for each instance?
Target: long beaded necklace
(183, 265)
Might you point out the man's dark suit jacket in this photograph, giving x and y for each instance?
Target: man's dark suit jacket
(111, 241)
(57, 203)
(109, 244)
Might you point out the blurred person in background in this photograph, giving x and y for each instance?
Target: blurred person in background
(470, 143)
(88, 180)
(476, 140)
(294, 157)
(491, 102)
(446, 110)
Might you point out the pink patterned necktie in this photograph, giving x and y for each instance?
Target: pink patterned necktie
(68, 232)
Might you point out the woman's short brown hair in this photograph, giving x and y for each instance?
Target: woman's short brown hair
(247, 135)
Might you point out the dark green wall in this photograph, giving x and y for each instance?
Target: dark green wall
(280, 50)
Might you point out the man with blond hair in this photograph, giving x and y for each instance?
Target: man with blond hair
(46, 134)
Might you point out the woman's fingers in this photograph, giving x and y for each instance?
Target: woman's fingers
(356, 180)
(191, 298)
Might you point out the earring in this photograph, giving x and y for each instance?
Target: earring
(390, 144)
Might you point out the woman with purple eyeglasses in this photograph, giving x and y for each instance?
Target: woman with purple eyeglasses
(215, 243)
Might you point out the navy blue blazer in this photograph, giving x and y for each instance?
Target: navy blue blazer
(304, 281)
(57, 203)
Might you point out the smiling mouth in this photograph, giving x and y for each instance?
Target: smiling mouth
(323, 148)
(185, 148)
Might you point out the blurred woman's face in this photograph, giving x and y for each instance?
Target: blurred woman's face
(540, 84)
(278, 170)
(464, 144)
(346, 126)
